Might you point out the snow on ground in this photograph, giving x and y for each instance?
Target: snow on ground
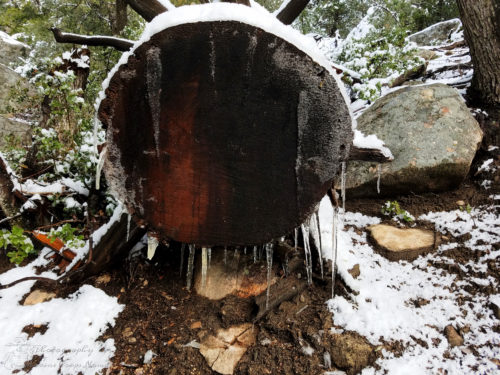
(383, 307)
(69, 345)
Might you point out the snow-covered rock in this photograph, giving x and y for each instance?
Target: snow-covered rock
(431, 134)
(11, 50)
(445, 32)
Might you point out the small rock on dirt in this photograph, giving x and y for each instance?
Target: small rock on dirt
(224, 350)
(38, 296)
(355, 271)
(195, 325)
(350, 351)
(401, 244)
(454, 339)
(103, 279)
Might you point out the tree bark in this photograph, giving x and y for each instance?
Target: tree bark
(121, 18)
(292, 10)
(481, 21)
(147, 9)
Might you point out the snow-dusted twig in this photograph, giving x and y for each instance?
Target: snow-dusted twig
(105, 41)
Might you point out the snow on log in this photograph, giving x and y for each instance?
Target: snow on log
(221, 132)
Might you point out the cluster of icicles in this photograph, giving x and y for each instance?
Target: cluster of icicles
(309, 229)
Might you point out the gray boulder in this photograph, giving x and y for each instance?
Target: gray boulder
(431, 134)
(438, 34)
(17, 129)
(11, 50)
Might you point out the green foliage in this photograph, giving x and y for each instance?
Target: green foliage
(392, 208)
(17, 242)
(382, 53)
(68, 235)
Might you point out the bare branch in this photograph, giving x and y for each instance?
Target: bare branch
(104, 41)
(147, 9)
(290, 10)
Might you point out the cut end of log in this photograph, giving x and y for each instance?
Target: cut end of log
(220, 133)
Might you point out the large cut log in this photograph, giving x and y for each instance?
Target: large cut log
(223, 132)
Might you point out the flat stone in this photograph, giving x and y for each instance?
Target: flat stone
(350, 351)
(453, 337)
(355, 271)
(432, 135)
(38, 296)
(401, 244)
(224, 350)
(237, 277)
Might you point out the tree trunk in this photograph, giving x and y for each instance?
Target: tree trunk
(121, 18)
(481, 21)
(219, 133)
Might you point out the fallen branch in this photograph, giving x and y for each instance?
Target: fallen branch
(103, 41)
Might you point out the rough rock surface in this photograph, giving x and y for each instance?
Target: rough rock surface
(224, 350)
(11, 49)
(453, 337)
(17, 128)
(235, 277)
(397, 244)
(350, 352)
(38, 296)
(431, 134)
(10, 52)
(437, 34)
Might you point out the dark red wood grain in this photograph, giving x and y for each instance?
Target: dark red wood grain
(219, 133)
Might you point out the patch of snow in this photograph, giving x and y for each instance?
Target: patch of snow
(371, 141)
(6, 38)
(69, 345)
(383, 306)
(76, 186)
(487, 166)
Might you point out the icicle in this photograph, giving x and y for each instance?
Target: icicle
(225, 255)
(153, 85)
(98, 170)
(296, 237)
(183, 246)
(129, 217)
(379, 175)
(269, 258)
(209, 257)
(189, 277)
(342, 184)
(334, 248)
(307, 252)
(255, 254)
(204, 264)
(317, 239)
(152, 245)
